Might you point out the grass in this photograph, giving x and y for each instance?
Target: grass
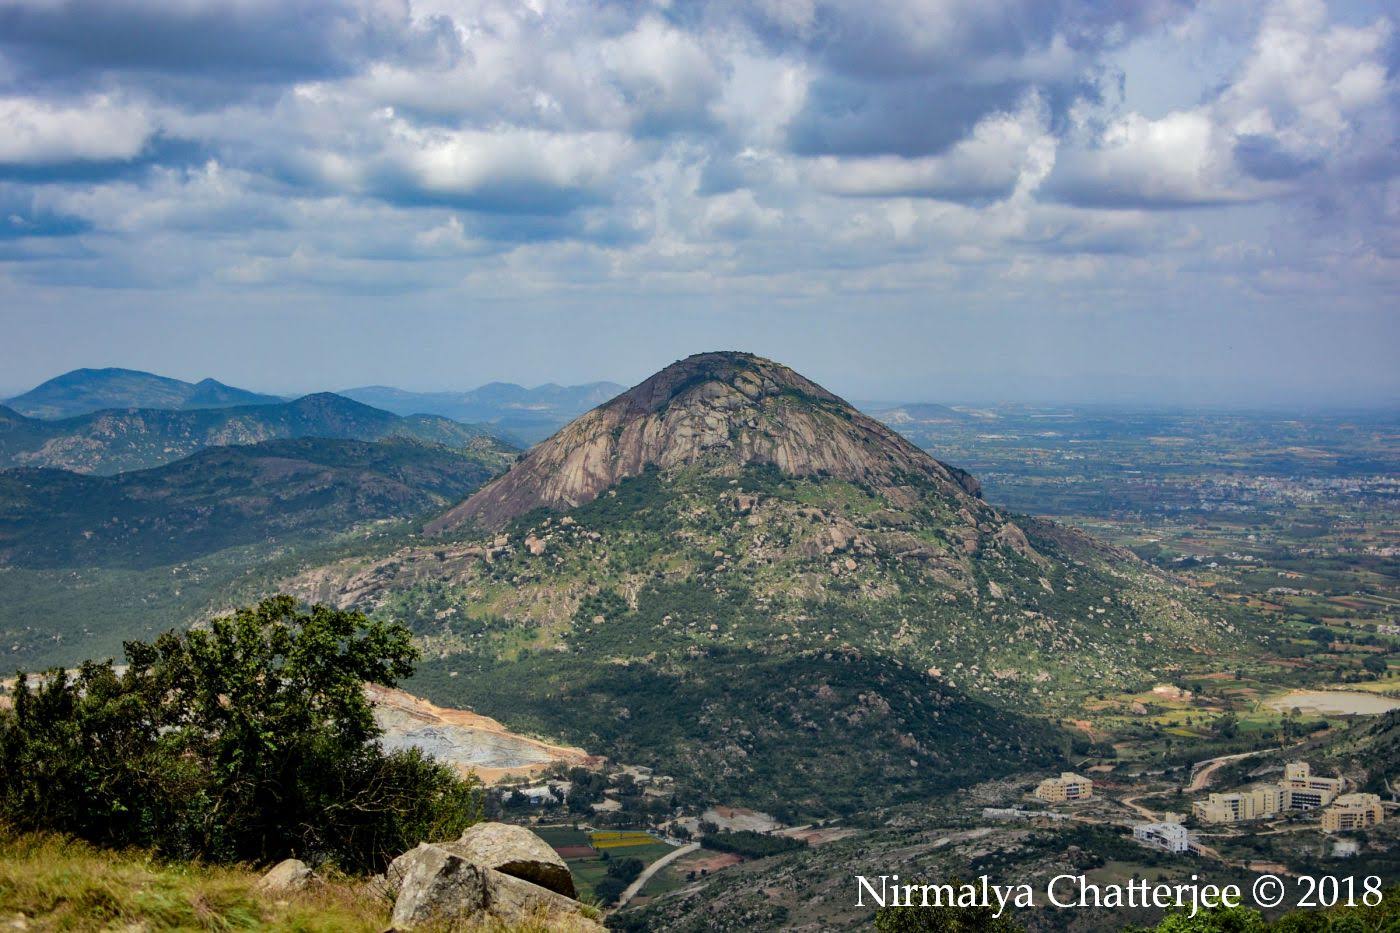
(60, 884)
(51, 883)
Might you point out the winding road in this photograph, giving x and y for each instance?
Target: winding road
(1204, 770)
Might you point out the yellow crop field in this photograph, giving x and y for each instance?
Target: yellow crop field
(619, 840)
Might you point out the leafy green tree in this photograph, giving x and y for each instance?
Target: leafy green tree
(1227, 726)
(251, 739)
(1375, 664)
(626, 868)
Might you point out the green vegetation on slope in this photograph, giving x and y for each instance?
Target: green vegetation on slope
(225, 497)
(807, 645)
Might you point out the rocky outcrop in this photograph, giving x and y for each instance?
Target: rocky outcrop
(287, 875)
(731, 409)
(494, 874)
(514, 850)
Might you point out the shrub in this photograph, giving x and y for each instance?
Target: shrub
(249, 740)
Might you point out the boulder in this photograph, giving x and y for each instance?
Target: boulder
(439, 885)
(287, 875)
(515, 851)
(510, 850)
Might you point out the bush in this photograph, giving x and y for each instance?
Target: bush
(626, 869)
(609, 889)
(251, 740)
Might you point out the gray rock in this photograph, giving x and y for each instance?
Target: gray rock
(515, 851)
(288, 875)
(439, 885)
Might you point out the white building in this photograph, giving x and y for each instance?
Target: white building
(1169, 837)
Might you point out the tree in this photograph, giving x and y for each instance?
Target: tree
(1218, 920)
(626, 868)
(1227, 726)
(251, 739)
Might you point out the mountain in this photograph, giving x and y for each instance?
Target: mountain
(223, 497)
(731, 575)
(531, 414)
(113, 441)
(737, 408)
(87, 390)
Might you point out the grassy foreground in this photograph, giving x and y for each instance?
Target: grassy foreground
(48, 882)
(52, 883)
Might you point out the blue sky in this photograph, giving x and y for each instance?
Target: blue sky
(1036, 200)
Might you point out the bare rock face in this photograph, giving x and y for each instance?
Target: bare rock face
(514, 850)
(287, 875)
(730, 409)
(440, 886)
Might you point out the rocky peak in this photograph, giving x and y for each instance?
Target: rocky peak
(720, 410)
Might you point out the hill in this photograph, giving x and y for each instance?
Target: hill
(530, 414)
(225, 497)
(923, 413)
(730, 574)
(87, 390)
(113, 441)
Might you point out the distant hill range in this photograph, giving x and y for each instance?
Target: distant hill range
(113, 440)
(925, 413)
(512, 411)
(222, 497)
(87, 390)
(528, 414)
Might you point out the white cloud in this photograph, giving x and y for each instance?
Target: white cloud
(666, 76)
(799, 145)
(1310, 97)
(34, 132)
(987, 165)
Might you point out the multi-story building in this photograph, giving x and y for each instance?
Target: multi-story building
(1302, 790)
(1254, 804)
(1169, 837)
(1067, 787)
(1352, 811)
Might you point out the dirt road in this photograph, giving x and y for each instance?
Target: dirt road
(631, 890)
(1203, 771)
